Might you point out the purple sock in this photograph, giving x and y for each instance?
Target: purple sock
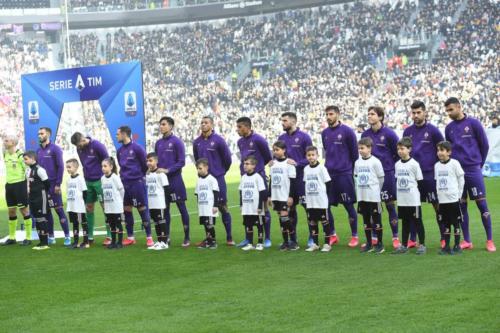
(331, 222)
(267, 224)
(485, 217)
(465, 221)
(226, 220)
(63, 220)
(50, 224)
(353, 218)
(129, 224)
(393, 218)
(145, 221)
(181, 205)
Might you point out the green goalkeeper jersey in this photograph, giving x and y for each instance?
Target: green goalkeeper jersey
(14, 167)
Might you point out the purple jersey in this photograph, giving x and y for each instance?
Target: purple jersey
(132, 161)
(215, 149)
(468, 142)
(424, 139)
(172, 156)
(255, 145)
(296, 144)
(50, 158)
(385, 146)
(91, 157)
(341, 149)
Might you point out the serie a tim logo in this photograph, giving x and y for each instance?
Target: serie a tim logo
(130, 99)
(33, 112)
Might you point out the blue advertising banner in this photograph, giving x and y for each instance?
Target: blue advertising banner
(492, 166)
(117, 87)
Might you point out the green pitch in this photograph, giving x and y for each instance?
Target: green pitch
(227, 290)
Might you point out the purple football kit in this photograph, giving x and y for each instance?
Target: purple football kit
(91, 157)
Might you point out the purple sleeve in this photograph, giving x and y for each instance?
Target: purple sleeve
(447, 134)
(393, 146)
(156, 146)
(264, 150)
(353, 147)
(102, 151)
(195, 151)
(141, 155)
(225, 153)
(437, 137)
(482, 141)
(59, 163)
(180, 153)
(305, 143)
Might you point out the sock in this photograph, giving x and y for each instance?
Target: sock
(267, 224)
(457, 234)
(167, 220)
(393, 218)
(377, 226)
(249, 234)
(63, 221)
(162, 232)
(158, 231)
(420, 230)
(446, 235)
(413, 232)
(146, 221)
(119, 231)
(108, 231)
(327, 230)
(482, 205)
(129, 224)
(465, 220)
(331, 223)
(211, 231)
(440, 225)
(113, 229)
(314, 232)
(353, 218)
(260, 233)
(184, 217)
(227, 221)
(76, 233)
(50, 224)
(293, 224)
(12, 227)
(85, 229)
(208, 237)
(90, 223)
(405, 234)
(43, 235)
(284, 224)
(28, 225)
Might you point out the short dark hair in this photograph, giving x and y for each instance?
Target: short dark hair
(168, 119)
(311, 148)
(209, 118)
(252, 159)
(444, 145)
(451, 100)
(31, 154)
(333, 108)
(125, 129)
(152, 155)
(405, 142)
(289, 114)
(47, 129)
(368, 142)
(418, 105)
(76, 138)
(378, 110)
(280, 144)
(73, 161)
(202, 161)
(245, 121)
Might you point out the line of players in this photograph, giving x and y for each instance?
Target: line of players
(467, 137)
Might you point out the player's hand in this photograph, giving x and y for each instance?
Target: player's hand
(162, 170)
(270, 164)
(269, 203)
(57, 189)
(289, 202)
(259, 211)
(291, 161)
(215, 210)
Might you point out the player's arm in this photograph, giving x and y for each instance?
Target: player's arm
(437, 137)
(59, 162)
(353, 147)
(241, 199)
(305, 143)
(141, 156)
(393, 146)
(180, 157)
(482, 141)
(195, 151)
(225, 154)
(264, 151)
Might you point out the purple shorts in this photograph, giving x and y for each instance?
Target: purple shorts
(342, 190)
(266, 183)
(135, 193)
(427, 189)
(55, 200)
(300, 186)
(388, 192)
(474, 185)
(177, 188)
(222, 190)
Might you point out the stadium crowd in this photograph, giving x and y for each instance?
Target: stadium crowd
(316, 57)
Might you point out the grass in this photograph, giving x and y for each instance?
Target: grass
(192, 290)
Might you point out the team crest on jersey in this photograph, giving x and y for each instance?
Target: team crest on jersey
(276, 180)
(248, 194)
(363, 179)
(382, 138)
(251, 144)
(91, 151)
(403, 182)
(203, 196)
(339, 136)
(130, 152)
(426, 135)
(170, 144)
(466, 129)
(312, 187)
(212, 143)
(296, 139)
(443, 182)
